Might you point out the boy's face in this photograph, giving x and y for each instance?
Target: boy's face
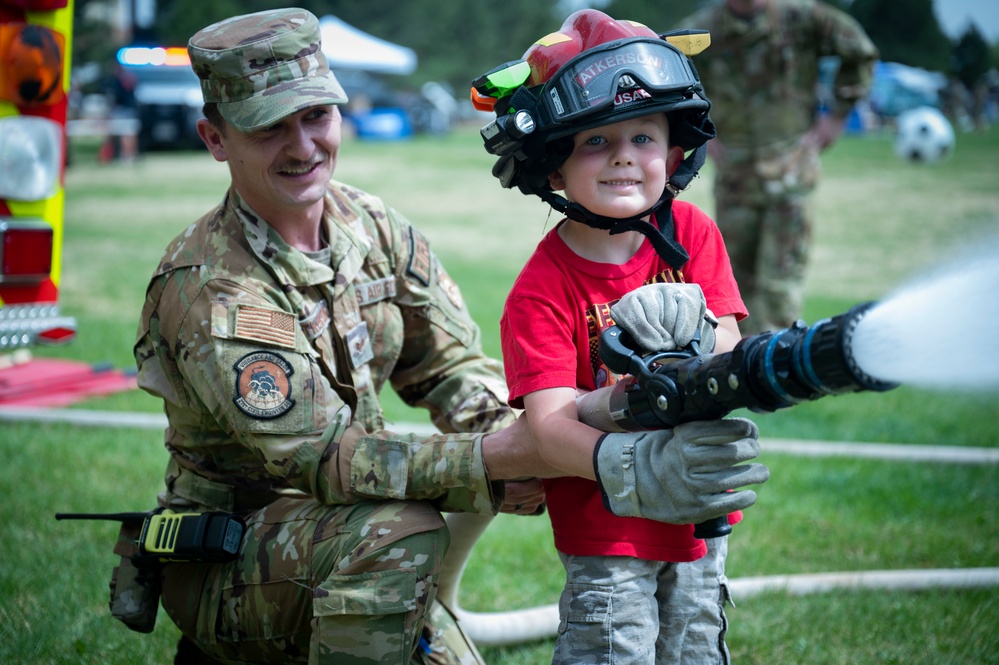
(619, 170)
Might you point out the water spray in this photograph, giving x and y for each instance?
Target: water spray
(940, 332)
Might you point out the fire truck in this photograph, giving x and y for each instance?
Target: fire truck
(35, 43)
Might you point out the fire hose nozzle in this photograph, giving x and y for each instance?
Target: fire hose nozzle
(763, 373)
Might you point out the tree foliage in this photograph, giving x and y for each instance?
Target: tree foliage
(906, 32)
(971, 57)
(453, 41)
(657, 15)
(457, 41)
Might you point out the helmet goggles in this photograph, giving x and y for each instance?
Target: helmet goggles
(619, 72)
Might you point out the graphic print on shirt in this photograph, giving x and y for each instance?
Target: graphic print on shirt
(599, 319)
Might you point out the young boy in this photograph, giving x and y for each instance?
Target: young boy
(605, 115)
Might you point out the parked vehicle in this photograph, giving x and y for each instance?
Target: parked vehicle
(167, 96)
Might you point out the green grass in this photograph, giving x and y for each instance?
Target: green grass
(939, 627)
(882, 223)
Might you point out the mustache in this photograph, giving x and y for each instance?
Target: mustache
(305, 165)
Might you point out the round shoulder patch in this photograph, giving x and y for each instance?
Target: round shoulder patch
(263, 389)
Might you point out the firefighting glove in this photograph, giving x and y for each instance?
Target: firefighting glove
(682, 475)
(664, 317)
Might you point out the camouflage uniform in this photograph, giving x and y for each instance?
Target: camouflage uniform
(270, 362)
(762, 75)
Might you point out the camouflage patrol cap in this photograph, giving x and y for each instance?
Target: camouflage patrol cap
(262, 67)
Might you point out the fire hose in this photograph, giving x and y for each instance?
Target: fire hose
(763, 373)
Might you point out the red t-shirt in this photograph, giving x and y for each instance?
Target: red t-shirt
(559, 305)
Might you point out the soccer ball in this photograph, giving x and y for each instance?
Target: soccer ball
(924, 136)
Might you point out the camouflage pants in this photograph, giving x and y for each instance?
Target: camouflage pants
(320, 584)
(627, 611)
(765, 214)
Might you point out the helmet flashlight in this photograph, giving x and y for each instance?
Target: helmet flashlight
(504, 135)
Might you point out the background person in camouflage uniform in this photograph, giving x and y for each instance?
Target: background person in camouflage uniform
(762, 70)
(269, 328)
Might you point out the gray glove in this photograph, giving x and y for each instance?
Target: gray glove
(681, 475)
(664, 317)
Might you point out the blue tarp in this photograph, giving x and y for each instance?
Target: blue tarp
(899, 87)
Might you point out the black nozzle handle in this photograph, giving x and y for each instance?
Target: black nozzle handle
(713, 528)
(617, 353)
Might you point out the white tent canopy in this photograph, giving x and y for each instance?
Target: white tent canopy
(347, 47)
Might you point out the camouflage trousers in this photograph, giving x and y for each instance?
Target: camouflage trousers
(628, 611)
(322, 584)
(764, 211)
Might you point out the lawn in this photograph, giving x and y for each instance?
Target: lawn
(882, 223)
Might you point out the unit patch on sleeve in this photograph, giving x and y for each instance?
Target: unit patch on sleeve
(419, 257)
(263, 386)
(270, 326)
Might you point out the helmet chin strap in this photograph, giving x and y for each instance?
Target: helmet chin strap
(663, 239)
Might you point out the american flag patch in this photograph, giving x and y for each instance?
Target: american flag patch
(265, 325)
